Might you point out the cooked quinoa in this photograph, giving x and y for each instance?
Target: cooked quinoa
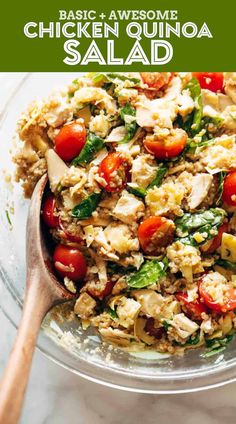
(142, 203)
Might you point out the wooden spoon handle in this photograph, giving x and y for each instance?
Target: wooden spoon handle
(14, 380)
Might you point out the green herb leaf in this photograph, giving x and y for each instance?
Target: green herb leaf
(195, 122)
(111, 312)
(156, 182)
(219, 341)
(137, 191)
(193, 221)
(92, 146)
(211, 121)
(161, 172)
(114, 268)
(8, 217)
(226, 264)
(185, 124)
(222, 176)
(165, 263)
(202, 222)
(107, 86)
(217, 345)
(213, 352)
(192, 342)
(166, 325)
(149, 273)
(128, 115)
(85, 209)
(193, 146)
(195, 119)
(115, 78)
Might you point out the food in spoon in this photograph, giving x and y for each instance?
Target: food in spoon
(141, 209)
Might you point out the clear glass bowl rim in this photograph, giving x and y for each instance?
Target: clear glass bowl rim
(185, 382)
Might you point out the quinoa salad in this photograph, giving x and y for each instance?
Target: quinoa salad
(141, 205)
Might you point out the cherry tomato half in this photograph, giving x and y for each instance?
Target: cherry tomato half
(229, 190)
(69, 262)
(213, 81)
(101, 290)
(70, 140)
(155, 232)
(228, 303)
(156, 80)
(195, 308)
(49, 212)
(213, 244)
(169, 147)
(114, 170)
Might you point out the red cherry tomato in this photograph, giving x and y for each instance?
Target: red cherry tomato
(219, 306)
(195, 308)
(101, 290)
(213, 81)
(155, 232)
(114, 170)
(169, 147)
(69, 262)
(212, 245)
(152, 330)
(156, 80)
(70, 140)
(49, 212)
(229, 190)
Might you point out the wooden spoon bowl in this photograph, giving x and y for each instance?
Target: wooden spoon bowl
(43, 291)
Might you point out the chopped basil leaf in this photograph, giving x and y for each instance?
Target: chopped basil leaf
(161, 172)
(226, 264)
(115, 78)
(149, 273)
(211, 121)
(107, 86)
(206, 223)
(165, 263)
(194, 120)
(222, 176)
(192, 221)
(111, 312)
(85, 209)
(8, 217)
(114, 268)
(217, 345)
(92, 146)
(212, 343)
(192, 342)
(193, 146)
(156, 182)
(137, 191)
(185, 124)
(166, 325)
(213, 352)
(128, 115)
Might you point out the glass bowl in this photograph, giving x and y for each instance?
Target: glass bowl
(63, 341)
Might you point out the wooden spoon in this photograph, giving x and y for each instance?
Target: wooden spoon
(43, 291)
